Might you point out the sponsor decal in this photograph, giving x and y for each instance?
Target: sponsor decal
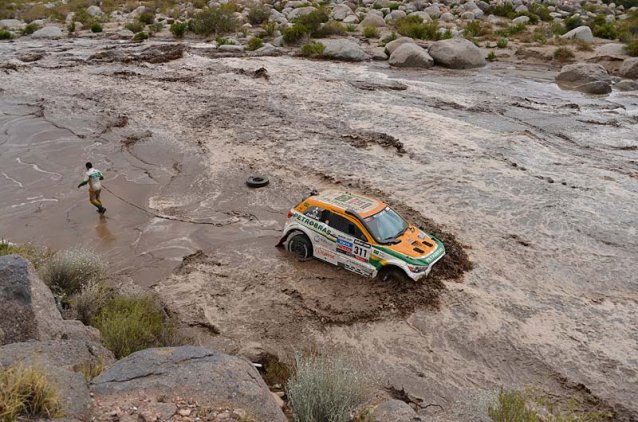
(323, 253)
(344, 247)
(313, 224)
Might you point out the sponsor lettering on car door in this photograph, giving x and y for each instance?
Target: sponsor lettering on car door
(353, 251)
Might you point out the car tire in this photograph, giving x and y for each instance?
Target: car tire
(300, 245)
(391, 274)
(257, 181)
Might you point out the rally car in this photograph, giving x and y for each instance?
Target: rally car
(361, 234)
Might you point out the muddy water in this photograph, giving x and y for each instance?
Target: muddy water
(539, 184)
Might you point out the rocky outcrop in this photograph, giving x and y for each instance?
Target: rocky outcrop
(585, 77)
(411, 55)
(457, 53)
(28, 310)
(629, 68)
(627, 85)
(395, 411)
(160, 53)
(581, 33)
(12, 24)
(393, 45)
(343, 49)
(341, 11)
(48, 32)
(212, 379)
(372, 20)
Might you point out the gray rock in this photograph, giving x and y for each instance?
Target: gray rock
(394, 411)
(340, 12)
(378, 53)
(589, 78)
(393, 45)
(423, 15)
(211, 378)
(629, 68)
(457, 53)
(434, 11)
(411, 55)
(351, 19)
(343, 49)
(521, 8)
(160, 53)
(520, 19)
(611, 50)
(48, 32)
(94, 11)
(278, 17)
(267, 50)
(396, 14)
(372, 19)
(447, 17)
(468, 16)
(231, 48)
(302, 11)
(12, 24)
(580, 33)
(627, 85)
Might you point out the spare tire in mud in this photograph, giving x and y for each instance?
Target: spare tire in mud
(300, 245)
(257, 181)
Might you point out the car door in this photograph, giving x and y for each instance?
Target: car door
(351, 245)
(323, 248)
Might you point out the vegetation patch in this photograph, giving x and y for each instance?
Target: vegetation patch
(330, 28)
(258, 14)
(27, 391)
(68, 271)
(135, 27)
(30, 29)
(511, 30)
(371, 32)
(502, 43)
(313, 49)
(573, 22)
(255, 43)
(413, 26)
(91, 299)
(476, 29)
(5, 35)
(37, 255)
(491, 56)
(563, 54)
(178, 29)
(215, 20)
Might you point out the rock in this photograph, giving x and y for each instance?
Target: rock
(433, 11)
(521, 8)
(580, 33)
(378, 53)
(278, 17)
(351, 19)
(301, 11)
(411, 55)
(12, 24)
(585, 77)
(160, 53)
(373, 20)
(394, 411)
(627, 85)
(447, 17)
(29, 57)
(267, 50)
(393, 45)
(211, 378)
(424, 16)
(278, 400)
(629, 68)
(94, 11)
(394, 15)
(340, 12)
(343, 49)
(48, 32)
(520, 19)
(467, 15)
(611, 50)
(456, 53)
(232, 48)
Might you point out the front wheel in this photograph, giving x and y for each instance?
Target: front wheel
(300, 245)
(392, 274)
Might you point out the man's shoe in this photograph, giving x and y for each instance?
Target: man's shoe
(102, 210)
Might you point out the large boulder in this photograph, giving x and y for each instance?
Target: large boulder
(581, 33)
(343, 49)
(28, 310)
(611, 50)
(627, 85)
(629, 68)
(589, 78)
(393, 45)
(456, 53)
(301, 11)
(411, 55)
(395, 411)
(372, 19)
(48, 32)
(94, 11)
(341, 11)
(12, 24)
(210, 378)
(433, 11)
(159, 53)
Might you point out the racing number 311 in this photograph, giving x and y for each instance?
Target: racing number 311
(359, 251)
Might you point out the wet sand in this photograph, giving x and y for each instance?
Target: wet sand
(538, 184)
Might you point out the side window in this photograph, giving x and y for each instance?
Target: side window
(314, 213)
(344, 225)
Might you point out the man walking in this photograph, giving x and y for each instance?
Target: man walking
(93, 177)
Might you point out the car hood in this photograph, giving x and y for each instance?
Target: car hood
(417, 245)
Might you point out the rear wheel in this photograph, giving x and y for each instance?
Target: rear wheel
(300, 245)
(392, 274)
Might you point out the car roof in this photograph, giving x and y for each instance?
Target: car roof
(362, 205)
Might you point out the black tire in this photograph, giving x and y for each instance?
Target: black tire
(300, 245)
(257, 181)
(392, 274)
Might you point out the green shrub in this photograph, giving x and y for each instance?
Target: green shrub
(30, 29)
(632, 48)
(27, 391)
(216, 20)
(69, 270)
(505, 10)
(5, 35)
(476, 29)
(511, 407)
(605, 30)
(533, 19)
(258, 14)
(502, 43)
(129, 324)
(394, 6)
(141, 36)
(558, 28)
(542, 11)
(222, 41)
(324, 389)
(413, 26)
(270, 28)
(70, 28)
(351, 27)
(294, 33)
(178, 29)
(370, 31)
(572, 22)
(37, 255)
(135, 27)
(582, 45)
(96, 27)
(511, 30)
(146, 18)
(93, 296)
(155, 27)
(563, 54)
(255, 43)
(83, 17)
(313, 49)
(491, 56)
(330, 28)
(313, 20)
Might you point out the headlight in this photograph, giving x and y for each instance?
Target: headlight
(417, 269)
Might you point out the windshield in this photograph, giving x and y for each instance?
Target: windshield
(386, 225)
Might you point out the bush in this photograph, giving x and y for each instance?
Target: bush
(30, 29)
(313, 20)
(394, 6)
(351, 27)
(533, 19)
(27, 391)
(135, 27)
(511, 407)
(141, 36)
(5, 35)
(330, 28)
(216, 20)
(542, 11)
(93, 296)
(324, 389)
(255, 43)
(294, 33)
(582, 45)
(146, 18)
(573, 22)
(90, 370)
(370, 31)
(270, 28)
(632, 48)
(505, 10)
(178, 29)
(563, 54)
(491, 56)
(605, 30)
(502, 43)
(313, 49)
(69, 270)
(511, 30)
(476, 29)
(155, 27)
(70, 28)
(129, 324)
(258, 14)
(413, 26)
(96, 27)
